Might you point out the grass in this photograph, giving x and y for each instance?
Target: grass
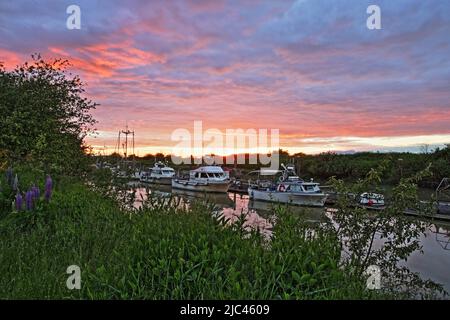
(162, 253)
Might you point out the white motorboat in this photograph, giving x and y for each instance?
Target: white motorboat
(372, 200)
(204, 179)
(289, 189)
(159, 174)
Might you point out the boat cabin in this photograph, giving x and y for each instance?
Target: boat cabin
(208, 173)
(308, 187)
(160, 169)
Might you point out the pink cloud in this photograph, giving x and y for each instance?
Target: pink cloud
(10, 59)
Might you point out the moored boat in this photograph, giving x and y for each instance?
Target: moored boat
(204, 179)
(158, 174)
(289, 189)
(371, 200)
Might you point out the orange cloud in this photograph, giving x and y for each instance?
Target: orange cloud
(106, 59)
(10, 59)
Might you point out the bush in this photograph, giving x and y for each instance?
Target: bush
(44, 117)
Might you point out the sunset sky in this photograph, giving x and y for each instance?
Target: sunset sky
(310, 68)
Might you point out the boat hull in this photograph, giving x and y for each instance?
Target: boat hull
(200, 187)
(299, 199)
(153, 180)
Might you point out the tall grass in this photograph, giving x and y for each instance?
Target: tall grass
(162, 253)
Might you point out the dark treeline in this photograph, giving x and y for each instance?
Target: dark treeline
(343, 166)
(355, 166)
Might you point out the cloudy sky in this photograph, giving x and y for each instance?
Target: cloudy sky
(310, 68)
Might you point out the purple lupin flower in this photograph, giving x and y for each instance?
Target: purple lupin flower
(48, 188)
(36, 192)
(29, 200)
(19, 202)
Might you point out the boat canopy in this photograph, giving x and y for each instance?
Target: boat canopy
(209, 169)
(160, 168)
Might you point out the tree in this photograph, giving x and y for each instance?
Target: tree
(424, 148)
(396, 235)
(159, 156)
(44, 117)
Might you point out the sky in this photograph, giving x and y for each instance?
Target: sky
(309, 68)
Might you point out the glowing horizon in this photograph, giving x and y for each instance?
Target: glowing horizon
(333, 144)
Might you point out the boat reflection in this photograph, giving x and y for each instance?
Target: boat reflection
(219, 199)
(307, 213)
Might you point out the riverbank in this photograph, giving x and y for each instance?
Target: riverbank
(162, 253)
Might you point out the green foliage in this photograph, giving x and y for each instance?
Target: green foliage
(355, 166)
(43, 116)
(164, 252)
(397, 235)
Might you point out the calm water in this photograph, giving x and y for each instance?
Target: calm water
(433, 263)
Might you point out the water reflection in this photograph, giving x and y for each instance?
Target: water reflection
(221, 200)
(433, 263)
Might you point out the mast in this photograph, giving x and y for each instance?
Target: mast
(122, 143)
(127, 132)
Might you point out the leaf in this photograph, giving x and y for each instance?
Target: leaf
(296, 276)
